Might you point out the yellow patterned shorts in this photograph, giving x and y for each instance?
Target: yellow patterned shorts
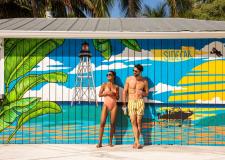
(136, 107)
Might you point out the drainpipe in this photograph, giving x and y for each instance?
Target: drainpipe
(1, 69)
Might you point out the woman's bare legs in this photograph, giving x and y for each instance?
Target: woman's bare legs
(102, 125)
(112, 124)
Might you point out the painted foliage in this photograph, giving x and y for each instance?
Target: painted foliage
(51, 89)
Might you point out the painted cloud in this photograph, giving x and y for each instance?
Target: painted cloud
(49, 64)
(129, 55)
(160, 88)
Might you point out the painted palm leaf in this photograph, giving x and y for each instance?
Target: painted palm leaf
(15, 104)
(104, 47)
(7, 119)
(131, 44)
(10, 112)
(23, 55)
(21, 105)
(28, 82)
(42, 108)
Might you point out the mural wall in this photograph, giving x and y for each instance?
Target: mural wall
(51, 90)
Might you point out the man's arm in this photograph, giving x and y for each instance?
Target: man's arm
(125, 90)
(145, 93)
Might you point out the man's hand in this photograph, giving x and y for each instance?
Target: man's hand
(124, 108)
(125, 90)
(140, 93)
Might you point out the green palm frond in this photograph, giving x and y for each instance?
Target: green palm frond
(179, 8)
(159, 11)
(102, 7)
(131, 8)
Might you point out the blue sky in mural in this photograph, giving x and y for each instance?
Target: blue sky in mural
(169, 72)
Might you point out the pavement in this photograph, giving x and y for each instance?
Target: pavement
(118, 152)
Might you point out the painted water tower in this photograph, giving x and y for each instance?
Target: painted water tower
(84, 89)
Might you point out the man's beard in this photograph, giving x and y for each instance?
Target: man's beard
(136, 75)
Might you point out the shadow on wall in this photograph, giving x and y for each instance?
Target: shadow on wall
(149, 117)
(150, 85)
(121, 125)
(121, 119)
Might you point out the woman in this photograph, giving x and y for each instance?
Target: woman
(110, 92)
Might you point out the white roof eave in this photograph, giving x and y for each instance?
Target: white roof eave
(110, 35)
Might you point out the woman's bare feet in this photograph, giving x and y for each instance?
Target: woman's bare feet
(137, 146)
(98, 145)
(134, 145)
(110, 145)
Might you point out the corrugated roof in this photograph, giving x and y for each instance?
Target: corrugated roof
(101, 26)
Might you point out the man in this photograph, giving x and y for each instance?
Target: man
(137, 88)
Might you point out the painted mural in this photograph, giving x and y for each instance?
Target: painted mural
(52, 85)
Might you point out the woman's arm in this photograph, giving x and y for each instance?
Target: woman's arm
(101, 92)
(117, 93)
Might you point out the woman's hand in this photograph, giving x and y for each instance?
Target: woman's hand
(105, 94)
(110, 93)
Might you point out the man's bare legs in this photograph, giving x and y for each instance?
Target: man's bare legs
(102, 125)
(112, 124)
(139, 126)
(134, 123)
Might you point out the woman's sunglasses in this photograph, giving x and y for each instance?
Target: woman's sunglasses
(135, 70)
(108, 74)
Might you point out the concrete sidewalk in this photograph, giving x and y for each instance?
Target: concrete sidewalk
(119, 152)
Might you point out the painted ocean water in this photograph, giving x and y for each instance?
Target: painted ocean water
(79, 124)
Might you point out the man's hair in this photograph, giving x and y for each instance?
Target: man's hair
(113, 72)
(139, 67)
